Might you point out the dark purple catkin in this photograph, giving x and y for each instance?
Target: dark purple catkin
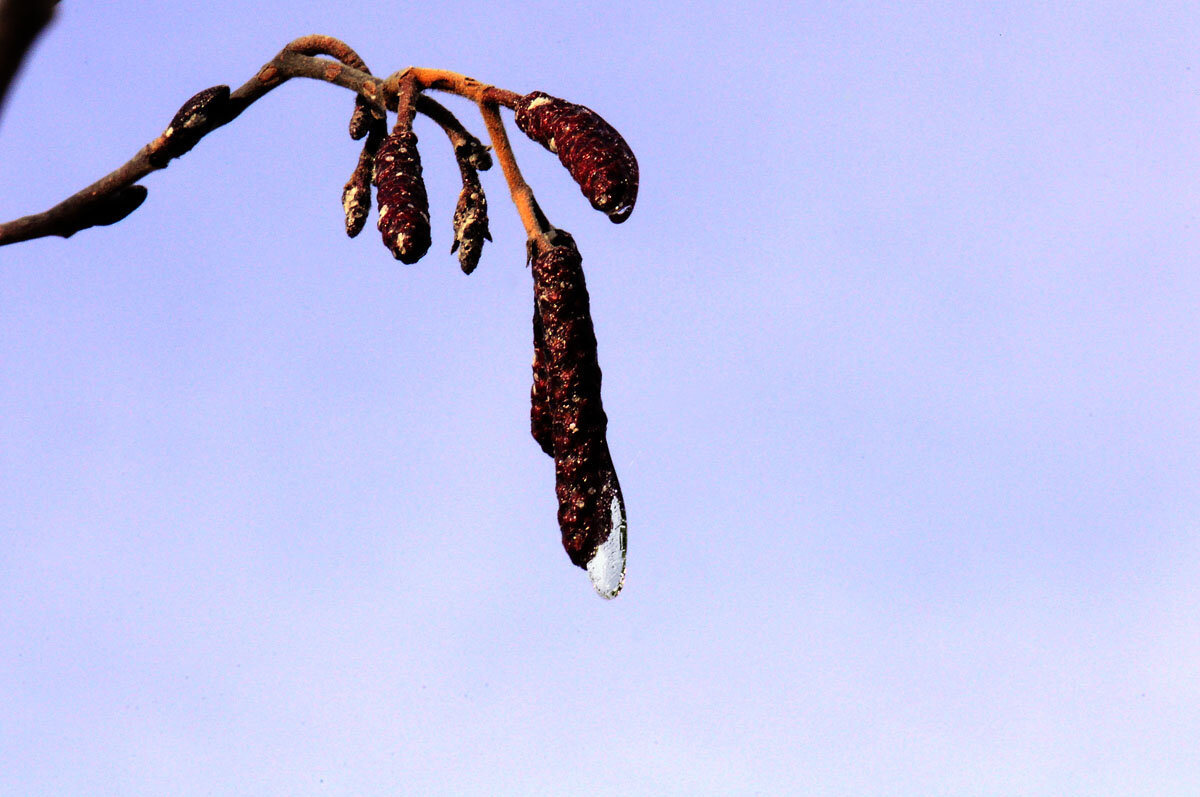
(592, 150)
(403, 204)
(585, 481)
(470, 220)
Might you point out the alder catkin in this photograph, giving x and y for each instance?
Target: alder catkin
(470, 220)
(472, 151)
(356, 195)
(362, 119)
(540, 424)
(592, 150)
(403, 204)
(585, 481)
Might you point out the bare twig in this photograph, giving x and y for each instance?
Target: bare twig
(465, 144)
(463, 86)
(82, 209)
(77, 212)
(318, 44)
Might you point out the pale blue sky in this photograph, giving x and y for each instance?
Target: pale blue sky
(902, 363)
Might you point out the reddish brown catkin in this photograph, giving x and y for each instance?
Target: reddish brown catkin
(403, 204)
(592, 150)
(585, 481)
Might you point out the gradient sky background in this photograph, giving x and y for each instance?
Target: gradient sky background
(901, 356)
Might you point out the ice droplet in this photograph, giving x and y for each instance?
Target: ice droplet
(606, 568)
(620, 213)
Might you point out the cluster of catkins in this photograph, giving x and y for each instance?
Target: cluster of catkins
(567, 416)
(392, 163)
(594, 153)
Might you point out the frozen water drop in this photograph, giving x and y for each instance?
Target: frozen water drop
(606, 568)
(620, 213)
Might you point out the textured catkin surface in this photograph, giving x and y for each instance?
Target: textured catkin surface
(403, 204)
(540, 424)
(365, 119)
(592, 150)
(585, 481)
(356, 195)
(470, 219)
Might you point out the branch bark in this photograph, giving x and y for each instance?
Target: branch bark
(98, 203)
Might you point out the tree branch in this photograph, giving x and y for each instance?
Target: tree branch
(95, 205)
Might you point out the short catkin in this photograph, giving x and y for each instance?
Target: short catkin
(403, 203)
(594, 153)
(470, 219)
(356, 195)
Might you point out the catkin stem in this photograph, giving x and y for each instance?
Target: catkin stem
(536, 225)
(463, 86)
